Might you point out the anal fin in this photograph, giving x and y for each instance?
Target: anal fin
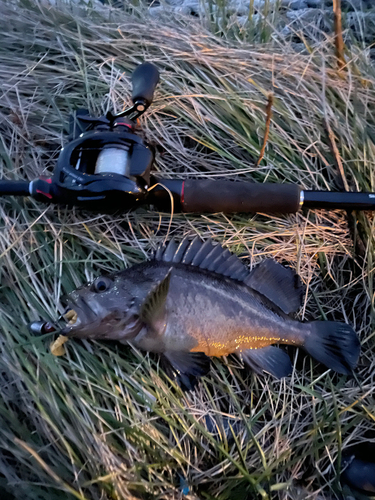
(268, 359)
(186, 367)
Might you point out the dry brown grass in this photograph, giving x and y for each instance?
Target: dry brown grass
(105, 420)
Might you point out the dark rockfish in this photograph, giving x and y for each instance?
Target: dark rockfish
(195, 300)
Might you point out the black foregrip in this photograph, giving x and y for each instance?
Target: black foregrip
(144, 80)
(15, 188)
(234, 196)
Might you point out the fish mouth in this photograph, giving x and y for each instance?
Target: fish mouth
(78, 315)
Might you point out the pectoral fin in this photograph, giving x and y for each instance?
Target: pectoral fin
(186, 367)
(153, 311)
(268, 359)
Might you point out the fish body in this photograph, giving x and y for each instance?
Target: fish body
(196, 300)
(215, 315)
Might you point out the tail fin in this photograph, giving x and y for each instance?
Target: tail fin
(336, 345)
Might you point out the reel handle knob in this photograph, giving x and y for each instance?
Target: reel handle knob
(144, 80)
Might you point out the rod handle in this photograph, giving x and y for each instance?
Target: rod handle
(14, 188)
(233, 196)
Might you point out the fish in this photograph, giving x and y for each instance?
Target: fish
(195, 300)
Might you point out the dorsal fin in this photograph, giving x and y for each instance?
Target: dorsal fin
(207, 255)
(276, 283)
(281, 285)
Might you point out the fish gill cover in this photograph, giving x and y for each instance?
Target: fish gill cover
(105, 422)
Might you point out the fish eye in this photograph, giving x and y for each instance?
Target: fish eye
(101, 284)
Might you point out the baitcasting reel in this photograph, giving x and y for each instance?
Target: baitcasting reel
(106, 166)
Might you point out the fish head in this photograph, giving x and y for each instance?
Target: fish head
(106, 308)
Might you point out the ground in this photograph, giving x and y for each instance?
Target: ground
(104, 421)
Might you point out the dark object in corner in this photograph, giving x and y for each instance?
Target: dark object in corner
(358, 469)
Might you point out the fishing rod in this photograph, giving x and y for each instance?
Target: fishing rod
(106, 167)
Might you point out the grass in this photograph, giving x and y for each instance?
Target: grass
(104, 422)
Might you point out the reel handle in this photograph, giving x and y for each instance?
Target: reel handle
(144, 81)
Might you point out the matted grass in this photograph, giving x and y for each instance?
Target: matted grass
(104, 422)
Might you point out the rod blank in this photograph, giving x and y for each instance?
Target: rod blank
(342, 200)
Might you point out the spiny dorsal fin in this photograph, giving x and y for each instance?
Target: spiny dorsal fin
(205, 255)
(152, 310)
(278, 283)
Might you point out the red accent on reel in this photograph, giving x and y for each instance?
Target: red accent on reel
(44, 194)
(124, 125)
